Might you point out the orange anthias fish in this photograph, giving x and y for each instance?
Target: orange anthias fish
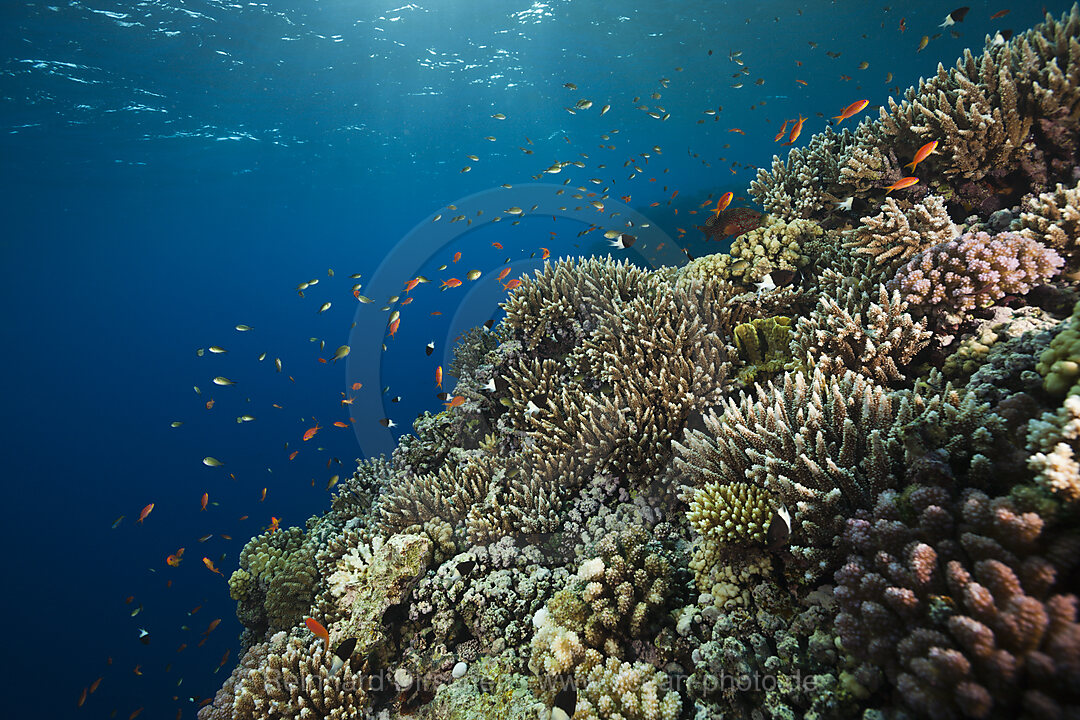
(411, 284)
(310, 432)
(497, 245)
(503, 274)
(275, 524)
(210, 403)
(451, 283)
(213, 624)
(145, 511)
(319, 631)
(210, 566)
(795, 131)
(263, 496)
(338, 423)
(174, 560)
(457, 256)
(723, 202)
(852, 109)
(922, 154)
(394, 326)
(901, 184)
(438, 377)
(512, 283)
(205, 500)
(456, 401)
(783, 129)
(545, 254)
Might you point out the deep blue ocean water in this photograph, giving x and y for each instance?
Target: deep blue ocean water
(171, 169)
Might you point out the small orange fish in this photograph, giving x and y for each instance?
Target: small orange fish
(310, 432)
(319, 631)
(625, 198)
(503, 274)
(406, 301)
(356, 293)
(545, 254)
(497, 245)
(210, 566)
(82, 698)
(263, 496)
(852, 109)
(394, 326)
(801, 82)
(901, 184)
(457, 256)
(922, 153)
(903, 24)
(293, 454)
(224, 658)
(205, 500)
(512, 283)
(436, 312)
(183, 646)
(411, 284)
(174, 560)
(213, 624)
(438, 377)
(210, 403)
(357, 386)
(723, 202)
(145, 511)
(338, 423)
(783, 129)
(135, 714)
(456, 401)
(796, 131)
(737, 130)
(94, 685)
(451, 283)
(138, 669)
(998, 14)
(275, 524)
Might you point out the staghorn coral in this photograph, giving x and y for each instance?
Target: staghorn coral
(951, 279)
(1053, 441)
(1053, 218)
(288, 678)
(613, 690)
(849, 330)
(896, 234)
(797, 187)
(554, 310)
(734, 513)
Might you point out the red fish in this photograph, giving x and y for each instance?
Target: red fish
(205, 500)
(998, 14)
(503, 274)
(451, 283)
(145, 511)
(512, 283)
(293, 454)
(901, 184)
(319, 631)
(457, 256)
(394, 326)
(456, 401)
(411, 284)
(213, 624)
(497, 245)
(310, 432)
(852, 109)
(922, 153)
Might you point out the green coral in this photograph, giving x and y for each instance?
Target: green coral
(275, 583)
(1060, 363)
(764, 344)
(733, 513)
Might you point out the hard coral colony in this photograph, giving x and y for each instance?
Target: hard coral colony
(689, 499)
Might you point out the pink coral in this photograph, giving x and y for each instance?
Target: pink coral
(952, 278)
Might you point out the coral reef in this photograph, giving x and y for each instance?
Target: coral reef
(701, 492)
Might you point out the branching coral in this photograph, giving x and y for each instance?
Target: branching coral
(1053, 218)
(951, 279)
(1054, 442)
(895, 234)
(848, 329)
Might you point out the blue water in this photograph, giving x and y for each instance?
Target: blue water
(172, 169)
